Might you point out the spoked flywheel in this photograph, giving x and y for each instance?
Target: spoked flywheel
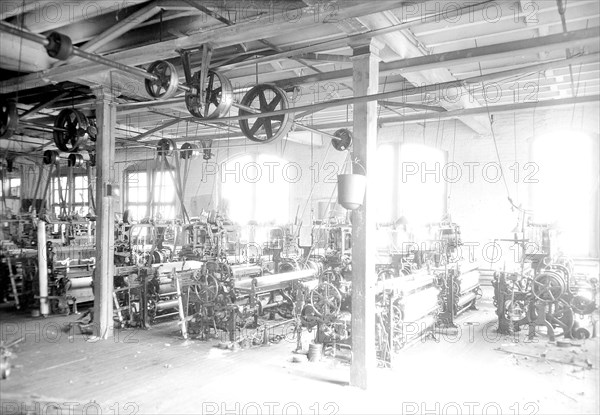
(71, 130)
(211, 100)
(265, 98)
(165, 86)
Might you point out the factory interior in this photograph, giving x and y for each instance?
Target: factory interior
(303, 206)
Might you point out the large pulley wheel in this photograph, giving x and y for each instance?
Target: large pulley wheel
(548, 287)
(71, 130)
(264, 129)
(8, 118)
(326, 299)
(165, 86)
(211, 100)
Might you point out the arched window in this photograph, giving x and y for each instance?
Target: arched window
(565, 189)
(254, 188)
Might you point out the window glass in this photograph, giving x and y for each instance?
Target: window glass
(253, 188)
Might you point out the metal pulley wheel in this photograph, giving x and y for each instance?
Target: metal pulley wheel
(8, 118)
(71, 130)
(189, 151)
(76, 160)
(326, 299)
(211, 100)
(50, 157)
(548, 286)
(264, 129)
(59, 46)
(165, 86)
(345, 139)
(166, 146)
(582, 304)
(157, 257)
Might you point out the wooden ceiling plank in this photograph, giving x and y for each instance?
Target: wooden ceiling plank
(493, 109)
(479, 54)
(219, 37)
(414, 90)
(405, 45)
(156, 129)
(122, 27)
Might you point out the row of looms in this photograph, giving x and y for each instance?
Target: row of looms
(200, 274)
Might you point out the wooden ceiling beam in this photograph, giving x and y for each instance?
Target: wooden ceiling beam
(444, 86)
(343, 41)
(219, 37)
(494, 109)
(463, 56)
(325, 57)
(128, 23)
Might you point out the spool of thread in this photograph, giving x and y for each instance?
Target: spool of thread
(315, 351)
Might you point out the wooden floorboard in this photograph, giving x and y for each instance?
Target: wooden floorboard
(156, 371)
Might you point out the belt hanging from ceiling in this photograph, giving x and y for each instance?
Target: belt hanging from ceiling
(179, 190)
(48, 182)
(167, 147)
(91, 199)
(38, 184)
(63, 204)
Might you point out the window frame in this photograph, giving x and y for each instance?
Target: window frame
(159, 205)
(55, 202)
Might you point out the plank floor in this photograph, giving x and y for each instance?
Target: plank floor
(156, 371)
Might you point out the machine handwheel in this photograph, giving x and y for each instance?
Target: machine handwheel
(206, 288)
(218, 96)
(166, 85)
(266, 98)
(218, 270)
(71, 130)
(8, 119)
(326, 299)
(548, 287)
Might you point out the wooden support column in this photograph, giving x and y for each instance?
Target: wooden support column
(106, 117)
(365, 78)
